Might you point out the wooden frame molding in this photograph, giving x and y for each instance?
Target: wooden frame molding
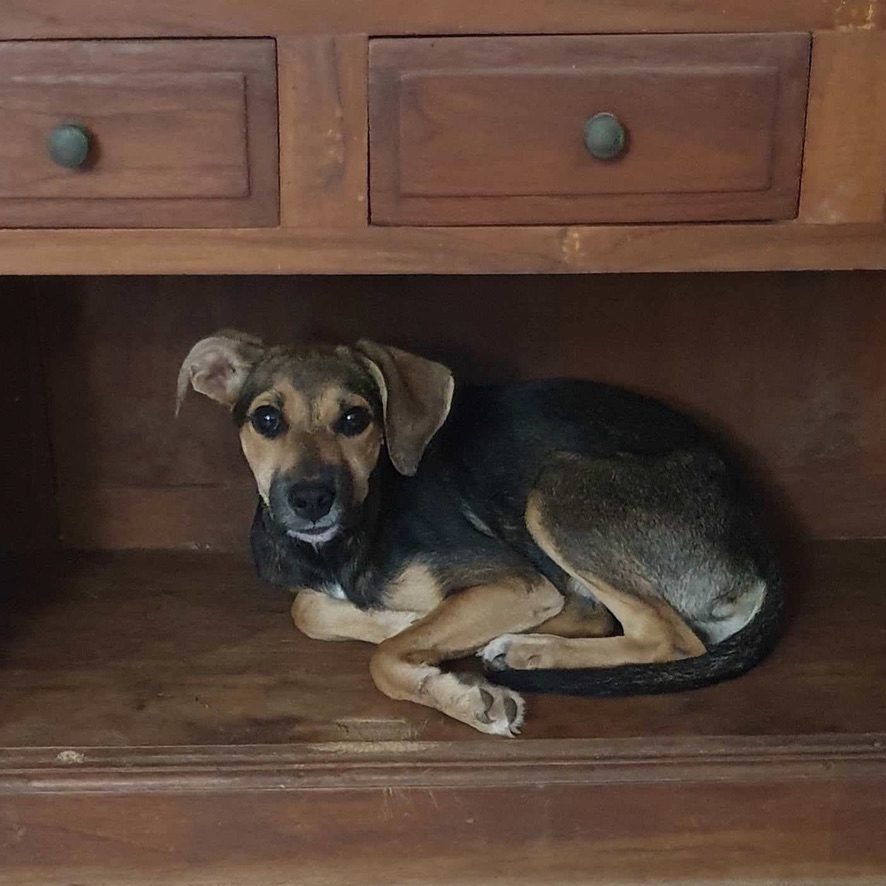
(46, 19)
(544, 250)
(591, 813)
(417, 764)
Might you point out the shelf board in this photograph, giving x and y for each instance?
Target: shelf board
(161, 649)
(162, 723)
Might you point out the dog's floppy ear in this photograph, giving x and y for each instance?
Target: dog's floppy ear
(217, 366)
(416, 395)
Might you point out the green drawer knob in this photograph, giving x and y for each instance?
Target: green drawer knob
(605, 136)
(68, 145)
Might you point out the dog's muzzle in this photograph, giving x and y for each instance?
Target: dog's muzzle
(310, 510)
(311, 500)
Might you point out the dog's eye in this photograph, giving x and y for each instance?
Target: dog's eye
(267, 420)
(353, 422)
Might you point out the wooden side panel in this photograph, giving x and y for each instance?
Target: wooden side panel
(27, 478)
(786, 364)
(182, 133)
(490, 130)
(844, 176)
(323, 131)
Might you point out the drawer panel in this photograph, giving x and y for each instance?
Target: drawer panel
(179, 133)
(492, 130)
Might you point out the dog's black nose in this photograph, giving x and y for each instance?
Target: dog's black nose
(311, 499)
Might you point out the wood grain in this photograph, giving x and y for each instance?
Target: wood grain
(844, 175)
(377, 250)
(47, 19)
(433, 764)
(212, 517)
(175, 649)
(770, 832)
(183, 132)
(786, 365)
(490, 130)
(323, 131)
(28, 518)
(163, 723)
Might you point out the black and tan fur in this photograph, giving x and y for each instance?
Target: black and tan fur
(580, 538)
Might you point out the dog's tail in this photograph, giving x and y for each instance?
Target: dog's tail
(730, 658)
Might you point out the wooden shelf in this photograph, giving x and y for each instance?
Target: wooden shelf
(227, 748)
(165, 649)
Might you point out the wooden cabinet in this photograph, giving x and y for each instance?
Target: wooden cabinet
(492, 130)
(417, 173)
(175, 133)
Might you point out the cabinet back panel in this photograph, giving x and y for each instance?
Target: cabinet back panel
(789, 365)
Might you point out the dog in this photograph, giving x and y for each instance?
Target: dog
(579, 538)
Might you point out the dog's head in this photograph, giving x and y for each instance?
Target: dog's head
(313, 423)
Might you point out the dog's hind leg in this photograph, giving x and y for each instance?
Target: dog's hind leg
(633, 533)
(406, 666)
(580, 617)
(653, 632)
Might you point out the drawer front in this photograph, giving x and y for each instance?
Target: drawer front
(164, 133)
(494, 130)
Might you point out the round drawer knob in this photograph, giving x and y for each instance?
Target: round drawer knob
(68, 145)
(605, 137)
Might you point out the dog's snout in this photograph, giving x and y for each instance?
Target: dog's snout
(312, 499)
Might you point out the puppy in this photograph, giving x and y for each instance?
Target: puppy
(580, 538)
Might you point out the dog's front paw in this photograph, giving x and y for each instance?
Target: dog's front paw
(472, 700)
(501, 711)
(517, 652)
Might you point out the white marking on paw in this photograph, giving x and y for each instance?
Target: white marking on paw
(497, 648)
(518, 652)
(470, 699)
(504, 711)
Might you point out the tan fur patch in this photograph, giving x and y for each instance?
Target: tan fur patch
(414, 589)
(322, 618)
(268, 457)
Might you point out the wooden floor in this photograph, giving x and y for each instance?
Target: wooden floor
(158, 649)
(162, 724)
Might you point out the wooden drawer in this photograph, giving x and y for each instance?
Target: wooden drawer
(492, 130)
(181, 133)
